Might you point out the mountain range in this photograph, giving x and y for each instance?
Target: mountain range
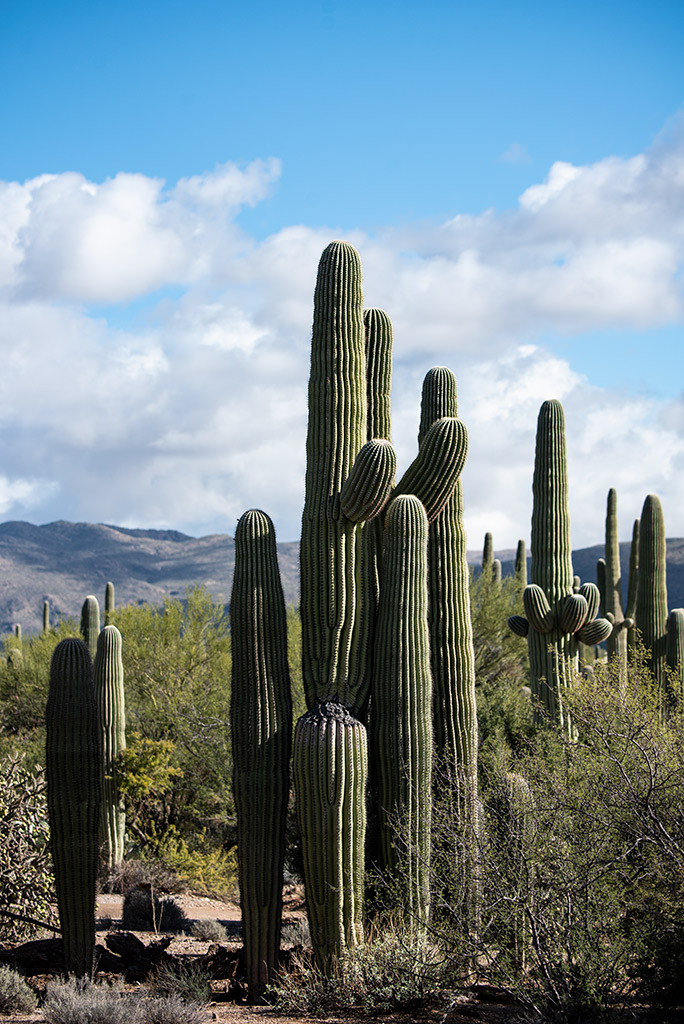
(63, 562)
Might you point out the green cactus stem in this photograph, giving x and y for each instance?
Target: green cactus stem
(330, 767)
(521, 566)
(633, 584)
(402, 707)
(109, 691)
(674, 654)
(616, 644)
(261, 723)
(110, 603)
(46, 616)
(90, 624)
(17, 631)
(651, 602)
(487, 556)
(73, 765)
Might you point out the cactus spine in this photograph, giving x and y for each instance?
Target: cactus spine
(74, 771)
(109, 691)
(261, 722)
(557, 615)
(90, 624)
(402, 707)
(651, 601)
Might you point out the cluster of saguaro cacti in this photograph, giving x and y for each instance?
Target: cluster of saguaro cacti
(109, 690)
(556, 615)
(261, 724)
(349, 482)
(74, 779)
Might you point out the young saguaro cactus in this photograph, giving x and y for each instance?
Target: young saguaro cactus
(110, 603)
(616, 644)
(651, 601)
(261, 723)
(109, 690)
(73, 763)
(402, 707)
(556, 616)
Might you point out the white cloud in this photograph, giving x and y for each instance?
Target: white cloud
(198, 410)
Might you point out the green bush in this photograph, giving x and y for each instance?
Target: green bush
(208, 930)
(145, 911)
(188, 981)
(26, 886)
(15, 994)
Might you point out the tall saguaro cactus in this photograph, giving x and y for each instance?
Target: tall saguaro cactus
(73, 762)
(109, 690)
(402, 707)
(110, 602)
(261, 723)
(556, 616)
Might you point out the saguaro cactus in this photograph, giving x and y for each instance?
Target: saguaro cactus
(633, 584)
(521, 565)
(402, 707)
(674, 654)
(651, 601)
(46, 616)
(109, 690)
(617, 641)
(261, 722)
(556, 616)
(487, 556)
(110, 603)
(73, 762)
(90, 623)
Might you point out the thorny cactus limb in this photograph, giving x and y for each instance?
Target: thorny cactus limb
(521, 565)
(557, 611)
(434, 473)
(651, 603)
(330, 769)
(675, 653)
(633, 583)
(261, 724)
(73, 763)
(90, 624)
(402, 708)
(487, 556)
(110, 603)
(109, 691)
(496, 572)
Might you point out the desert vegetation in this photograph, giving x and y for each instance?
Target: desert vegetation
(477, 780)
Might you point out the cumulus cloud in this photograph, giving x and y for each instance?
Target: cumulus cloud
(196, 408)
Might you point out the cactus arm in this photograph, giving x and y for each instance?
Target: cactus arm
(433, 474)
(109, 692)
(110, 603)
(402, 705)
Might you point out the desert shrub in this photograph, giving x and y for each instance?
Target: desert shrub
(15, 994)
(26, 887)
(186, 980)
(134, 872)
(145, 911)
(570, 873)
(208, 930)
(78, 1002)
(392, 973)
(295, 932)
(170, 1009)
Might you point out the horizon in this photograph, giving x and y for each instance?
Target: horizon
(512, 178)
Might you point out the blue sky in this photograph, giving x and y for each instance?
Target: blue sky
(512, 174)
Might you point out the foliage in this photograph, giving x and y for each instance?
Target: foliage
(392, 973)
(79, 1002)
(577, 871)
(26, 888)
(208, 930)
(171, 1009)
(143, 911)
(188, 980)
(15, 994)
(24, 679)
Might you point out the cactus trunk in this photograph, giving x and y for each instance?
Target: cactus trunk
(109, 690)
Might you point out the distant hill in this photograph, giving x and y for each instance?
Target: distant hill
(63, 562)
